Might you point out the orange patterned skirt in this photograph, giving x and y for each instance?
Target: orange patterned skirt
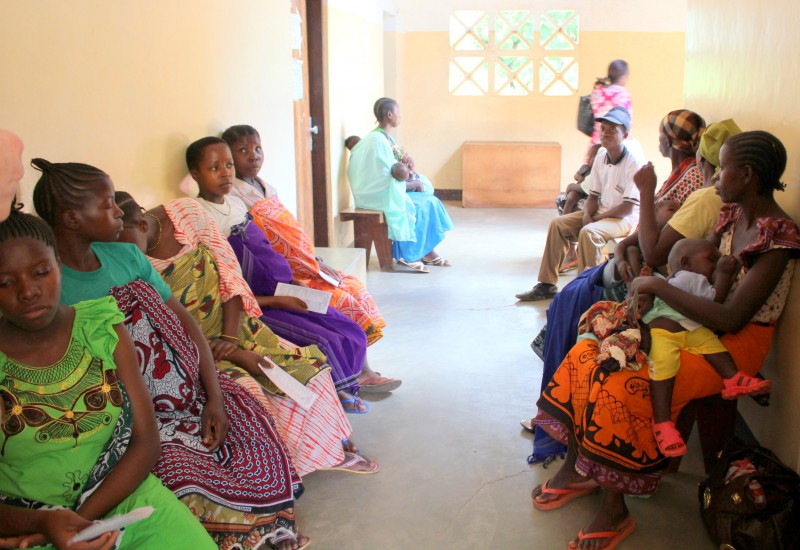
(609, 415)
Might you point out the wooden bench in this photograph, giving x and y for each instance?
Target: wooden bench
(369, 226)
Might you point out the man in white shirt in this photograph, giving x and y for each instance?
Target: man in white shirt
(611, 211)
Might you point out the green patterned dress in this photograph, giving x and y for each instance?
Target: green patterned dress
(67, 425)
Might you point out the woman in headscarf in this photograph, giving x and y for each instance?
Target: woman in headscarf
(678, 140)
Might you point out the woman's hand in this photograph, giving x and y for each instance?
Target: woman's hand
(645, 180)
(624, 269)
(298, 282)
(221, 349)
(289, 302)
(646, 285)
(58, 527)
(408, 161)
(414, 186)
(251, 362)
(215, 424)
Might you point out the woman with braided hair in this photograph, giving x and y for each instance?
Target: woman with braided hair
(605, 418)
(216, 438)
(78, 429)
(417, 219)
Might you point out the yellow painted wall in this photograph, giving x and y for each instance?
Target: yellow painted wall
(741, 64)
(435, 123)
(126, 85)
(355, 66)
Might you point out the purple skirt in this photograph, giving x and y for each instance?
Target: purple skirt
(337, 336)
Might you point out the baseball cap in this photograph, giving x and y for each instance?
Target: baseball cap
(618, 115)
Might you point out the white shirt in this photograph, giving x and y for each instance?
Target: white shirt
(696, 285)
(232, 212)
(612, 184)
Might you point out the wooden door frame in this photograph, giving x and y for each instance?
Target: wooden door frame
(315, 36)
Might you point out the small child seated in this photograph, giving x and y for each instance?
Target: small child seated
(695, 264)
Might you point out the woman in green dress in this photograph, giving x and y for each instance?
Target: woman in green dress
(69, 437)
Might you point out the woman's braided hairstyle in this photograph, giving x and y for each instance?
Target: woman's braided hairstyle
(235, 133)
(382, 107)
(762, 152)
(63, 186)
(20, 225)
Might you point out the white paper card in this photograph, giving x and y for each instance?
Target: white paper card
(316, 300)
(290, 386)
(112, 524)
(327, 278)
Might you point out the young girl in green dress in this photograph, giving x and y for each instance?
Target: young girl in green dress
(69, 387)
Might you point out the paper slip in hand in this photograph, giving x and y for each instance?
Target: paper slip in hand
(112, 524)
(290, 386)
(316, 300)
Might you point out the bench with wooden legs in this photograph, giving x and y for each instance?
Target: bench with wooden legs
(369, 226)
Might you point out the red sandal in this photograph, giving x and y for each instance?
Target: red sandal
(741, 384)
(669, 440)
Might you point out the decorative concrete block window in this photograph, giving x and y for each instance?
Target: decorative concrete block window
(498, 52)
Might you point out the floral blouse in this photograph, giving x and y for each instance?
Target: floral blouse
(774, 233)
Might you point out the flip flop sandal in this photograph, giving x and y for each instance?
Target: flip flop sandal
(279, 535)
(357, 404)
(527, 425)
(668, 439)
(417, 266)
(351, 460)
(438, 262)
(564, 496)
(741, 384)
(389, 384)
(569, 266)
(625, 530)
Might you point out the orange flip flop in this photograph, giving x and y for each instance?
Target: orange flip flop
(564, 496)
(626, 528)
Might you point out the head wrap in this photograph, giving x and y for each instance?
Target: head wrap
(683, 128)
(714, 137)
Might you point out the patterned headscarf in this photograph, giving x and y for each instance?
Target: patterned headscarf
(714, 137)
(684, 129)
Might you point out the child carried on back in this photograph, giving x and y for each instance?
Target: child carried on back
(698, 269)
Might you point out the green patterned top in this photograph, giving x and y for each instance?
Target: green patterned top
(59, 418)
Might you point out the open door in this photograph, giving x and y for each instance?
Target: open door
(309, 118)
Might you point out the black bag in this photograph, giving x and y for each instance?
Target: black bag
(585, 115)
(759, 509)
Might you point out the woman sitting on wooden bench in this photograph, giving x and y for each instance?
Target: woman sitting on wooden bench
(417, 219)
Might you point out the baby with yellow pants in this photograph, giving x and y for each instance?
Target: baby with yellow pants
(698, 269)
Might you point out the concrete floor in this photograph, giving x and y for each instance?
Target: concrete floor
(454, 474)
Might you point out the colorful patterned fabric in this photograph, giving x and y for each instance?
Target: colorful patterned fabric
(287, 237)
(609, 414)
(250, 475)
(773, 234)
(684, 129)
(68, 425)
(682, 182)
(194, 226)
(314, 436)
(341, 340)
(603, 99)
(620, 342)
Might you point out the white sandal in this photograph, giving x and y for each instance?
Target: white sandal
(417, 266)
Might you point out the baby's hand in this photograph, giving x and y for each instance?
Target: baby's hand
(727, 265)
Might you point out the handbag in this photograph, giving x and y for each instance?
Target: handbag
(585, 115)
(751, 500)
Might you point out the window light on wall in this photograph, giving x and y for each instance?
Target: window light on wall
(497, 52)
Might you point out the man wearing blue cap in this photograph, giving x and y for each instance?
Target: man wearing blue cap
(611, 211)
